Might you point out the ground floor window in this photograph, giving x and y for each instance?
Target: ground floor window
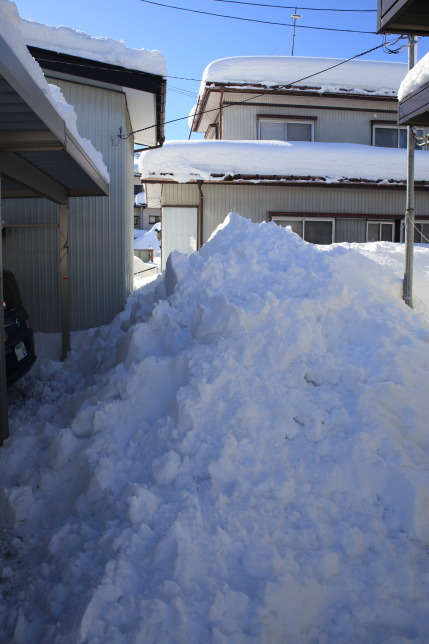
(379, 231)
(315, 231)
(154, 219)
(136, 221)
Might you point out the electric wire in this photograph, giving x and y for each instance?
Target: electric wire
(278, 6)
(263, 22)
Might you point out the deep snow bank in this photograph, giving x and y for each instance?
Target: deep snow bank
(242, 460)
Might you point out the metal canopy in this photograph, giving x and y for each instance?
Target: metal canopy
(409, 17)
(39, 157)
(35, 139)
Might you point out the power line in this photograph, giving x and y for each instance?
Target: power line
(278, 6)
(263, 22)
(246, 100)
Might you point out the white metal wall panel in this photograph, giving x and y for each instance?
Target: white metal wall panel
(179, 231)
(31, 251)
(340, 123)
(256, 201)
(100, 228)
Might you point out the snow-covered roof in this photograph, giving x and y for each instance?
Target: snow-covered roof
(415, 78)
(105, 50)
(141, 104)
(184, 161)
(328, 74)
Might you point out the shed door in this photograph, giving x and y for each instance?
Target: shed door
(179, 230)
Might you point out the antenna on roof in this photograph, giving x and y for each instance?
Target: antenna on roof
(295, 16)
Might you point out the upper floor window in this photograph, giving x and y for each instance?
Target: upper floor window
(386, 136)
(285, 130)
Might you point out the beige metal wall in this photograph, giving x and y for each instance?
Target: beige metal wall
(345, 120)
(256, 201)
(30, 250)
(100, 228)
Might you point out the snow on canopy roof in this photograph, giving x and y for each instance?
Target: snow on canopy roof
(361, 76)
(185, 161)
(70, 41)
(11, 31)
(416, 78)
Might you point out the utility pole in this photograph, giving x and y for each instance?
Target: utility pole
(410, 208)
(295, 16)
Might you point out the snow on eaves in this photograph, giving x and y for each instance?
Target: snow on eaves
(326, 74)
(70, 41)
(184, 161)
(416, 78)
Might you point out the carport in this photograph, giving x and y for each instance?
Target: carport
(40, 156)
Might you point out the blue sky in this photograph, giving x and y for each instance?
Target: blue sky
(189, 41)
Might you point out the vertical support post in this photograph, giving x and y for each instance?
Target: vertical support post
(64, 282)
(4, 420)
(200, 216)
(410, 207)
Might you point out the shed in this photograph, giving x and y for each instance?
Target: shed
(118, 95)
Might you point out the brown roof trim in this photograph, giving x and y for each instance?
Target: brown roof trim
(297, 182)
(298, 90)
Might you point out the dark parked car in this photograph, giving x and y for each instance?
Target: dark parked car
(18, 334)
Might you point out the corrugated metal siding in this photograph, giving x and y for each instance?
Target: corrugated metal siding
(100, 228)
(332, 125)
(256, 201)
(350, 230)
(32, 253)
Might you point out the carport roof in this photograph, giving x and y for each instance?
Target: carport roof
(39, 154)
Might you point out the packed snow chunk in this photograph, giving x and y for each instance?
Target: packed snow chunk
(16, 505)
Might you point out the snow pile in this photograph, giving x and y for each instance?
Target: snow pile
(191, 160)
(11, 31)
(241, 456)
(145, 239)
(328, 74)
(105, 50)
(415, 78)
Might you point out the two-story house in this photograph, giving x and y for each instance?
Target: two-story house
(306, 142)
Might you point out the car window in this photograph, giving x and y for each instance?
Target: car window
(11, 294)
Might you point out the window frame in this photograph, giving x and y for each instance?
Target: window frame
(302, 120)
(303, 220)
(390, 222)
(393, 126)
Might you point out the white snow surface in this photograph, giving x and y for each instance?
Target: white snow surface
(67, 40)
(240, 456)
(11, 31)
(415, 78)
(328, 74)
(190, 160)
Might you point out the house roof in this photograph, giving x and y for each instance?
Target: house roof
(363, 78)
(328, 163)
(139, 73)
(41, 152)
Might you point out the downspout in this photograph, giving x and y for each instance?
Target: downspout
(200, 216)
(221, 115)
